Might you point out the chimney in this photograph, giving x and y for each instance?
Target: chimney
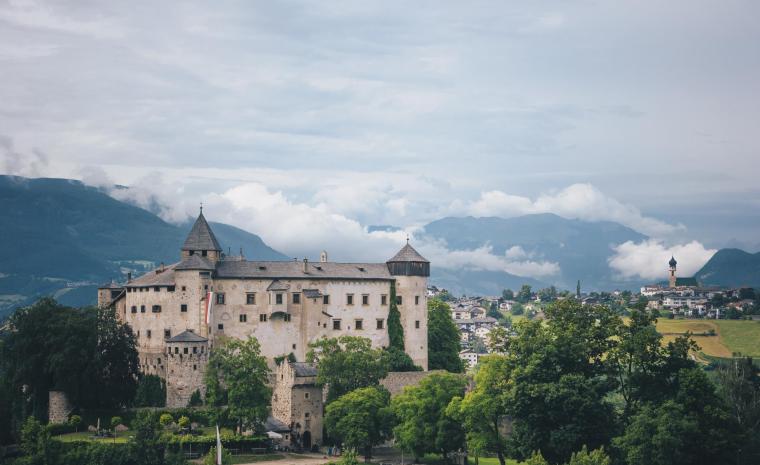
(305, 265)
(129, 276)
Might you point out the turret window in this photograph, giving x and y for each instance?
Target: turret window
(156, 309)
(157, 289)
(134, 308)
(416, 300)
(148, 334)
(204, 253)
(417, 324)
(184, 350)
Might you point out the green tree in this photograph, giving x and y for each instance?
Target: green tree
(548, 294)
(497, 340)
(518, 309)
(360, 419)
(691, 428)
(739, 387)
(443, 339)
(75, 421)
(398, 360)
(483, 410)
(244, 373)
(210, 458)
(560, 380)
(195, 399)
(151, 391)
(146, 448)
(424, 423)
(507, 294)
(595, 457)
(395, 330)
(116, 421)
(524, 295)
(347, 363)
(86, 353)
(493, 311)
(578, 290)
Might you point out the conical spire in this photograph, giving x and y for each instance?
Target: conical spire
(201, 237)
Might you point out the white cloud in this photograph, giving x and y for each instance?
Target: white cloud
(581, 201)
(18, 163)
(649, 259)
(515, 260)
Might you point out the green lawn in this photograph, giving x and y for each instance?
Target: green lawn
(248, 458)
(120, 438)
(741, 336)
(435, 459)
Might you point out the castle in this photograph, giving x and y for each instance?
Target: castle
(178, 311)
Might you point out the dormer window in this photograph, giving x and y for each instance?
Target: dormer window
(204, 253)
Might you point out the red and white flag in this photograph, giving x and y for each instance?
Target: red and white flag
(209, 303)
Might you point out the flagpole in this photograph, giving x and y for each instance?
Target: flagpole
(218, 447)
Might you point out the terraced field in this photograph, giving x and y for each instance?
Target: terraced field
(732, 336)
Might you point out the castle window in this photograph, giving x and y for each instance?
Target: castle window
(326, 299)
(306, 396)
(287, 317)
(195, 367)
(205, 287)
(157, 289)
(167, 333)
(204, 253)
(156, 309)
(192, 252)
(195, 349)
(278, 299)
(138, 333)
(176, 350)
(380, 323)
(262, 317)
(417, 324)
(358, 325)
(183, 308)
(184, 288)
(220, 298)
(384, 299)
(220, 327)
(184, 350)
(170, 288)
(398, 300)
(243, 318)
(365, 299)
(159, 360)
(349, 299)
(416, 300)
(203, 349)
(296, 298)
(336, 325)
(294, 347)
(134, 308)
(148, 334)
(250, 298)
(142, 308)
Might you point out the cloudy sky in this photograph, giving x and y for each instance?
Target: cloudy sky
(329, 116)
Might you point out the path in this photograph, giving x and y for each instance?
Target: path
(298, 459)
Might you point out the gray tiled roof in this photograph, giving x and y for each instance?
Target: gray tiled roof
(486, 319)
(195, 262)
(201, 237)
(155, 278)
(273, 424)
(408, 254)
(304, 369)
(312, 293)
(290, 270)
(187, 336)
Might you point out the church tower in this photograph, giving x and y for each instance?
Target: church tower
(672, 277)
(202, 242)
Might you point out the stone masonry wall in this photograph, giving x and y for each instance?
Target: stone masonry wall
(59, 407)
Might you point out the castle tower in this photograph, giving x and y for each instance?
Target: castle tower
(202, 241)
(672, 277)
(186, 361)
(411, 271)
(297, 402)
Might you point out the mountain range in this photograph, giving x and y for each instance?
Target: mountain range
(63, 238)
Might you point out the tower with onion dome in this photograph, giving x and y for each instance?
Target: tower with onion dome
(672, 277)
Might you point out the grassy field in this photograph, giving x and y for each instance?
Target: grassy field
(247, 458)
(87, 436)
(732, 336)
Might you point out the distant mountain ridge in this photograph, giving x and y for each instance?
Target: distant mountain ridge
(731, 268)
(63, 238)
(581, 248)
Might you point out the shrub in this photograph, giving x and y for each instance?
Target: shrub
(75, 421)
(195, 399)
(183, 422)
(165, 419)
(116, 421)
(151, 392)
(210, 458)
(56, 429)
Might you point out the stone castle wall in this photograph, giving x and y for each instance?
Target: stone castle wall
(59, 407)
(186, 369)
(396, 381)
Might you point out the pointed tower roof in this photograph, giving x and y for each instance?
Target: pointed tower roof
(408, 254)
(672, 262)
(201, 237)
